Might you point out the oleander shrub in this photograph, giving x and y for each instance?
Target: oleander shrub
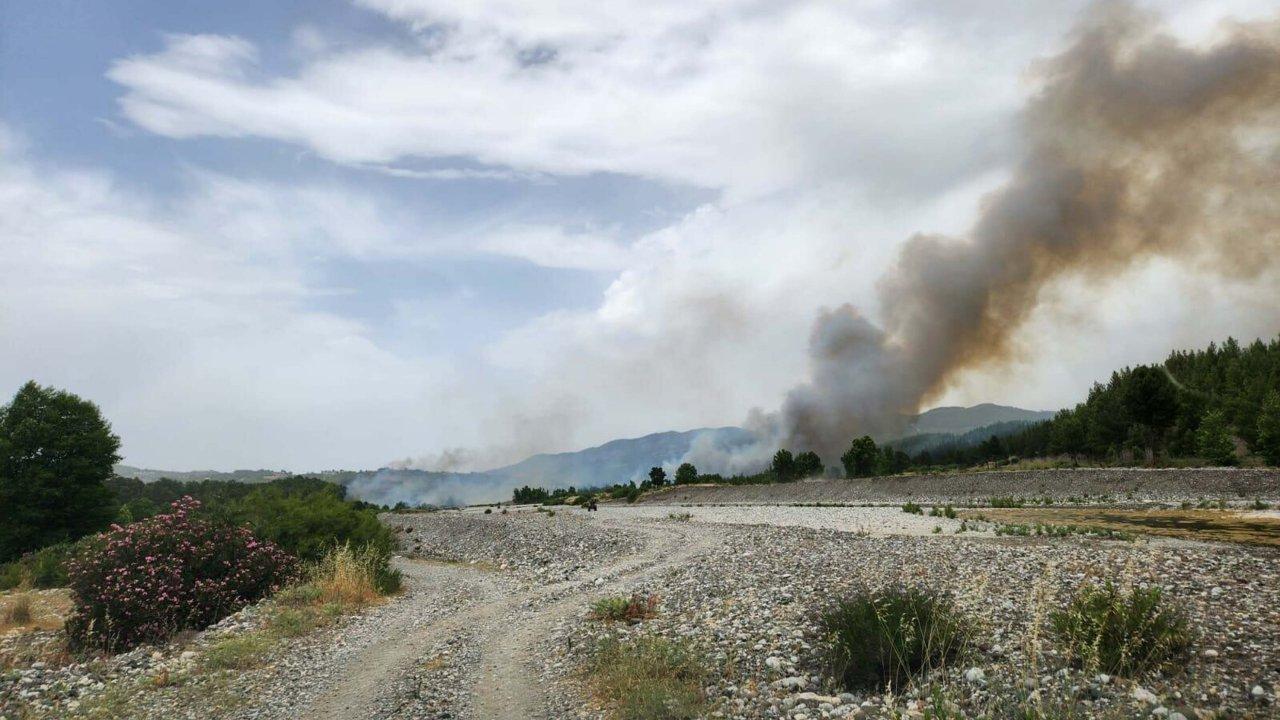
(886, 638)
(148, 580)
(1107, 629)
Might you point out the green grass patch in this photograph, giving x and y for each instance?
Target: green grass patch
(240, 652)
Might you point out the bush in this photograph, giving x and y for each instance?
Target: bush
(884, 639)
(145, 582)
(649, 678)
(1121, 633)
(632, 609)
(912, 508)
(44, 568)
(310, 522)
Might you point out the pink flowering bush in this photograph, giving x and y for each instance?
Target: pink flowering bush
(148, 580)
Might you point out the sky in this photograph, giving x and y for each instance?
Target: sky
(329, 234)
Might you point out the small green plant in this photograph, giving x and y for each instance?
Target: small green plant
(1259, 505)
(1122, 632)
(649, 678)
(886, 638)
(937, 529)
(633, 608)
(949, 512)
(682, 517)
(912, 508)
(1006, 502)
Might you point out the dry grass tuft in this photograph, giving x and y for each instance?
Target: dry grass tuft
(649, 678)
(17, 611)
(347, 576)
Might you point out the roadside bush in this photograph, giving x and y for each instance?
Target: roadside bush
(1109, 630)
(649, 678)
(146, 581)
(886, 638)
(912, 508)
(311, 521)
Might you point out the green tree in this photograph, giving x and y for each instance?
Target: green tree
(56, 451)
(686, 474)
(1214, 439)
(808, 465)
(1269, 429)
(1068, 435)
(1151, 400)
(783, 466)
(657, 477)
(860, 459)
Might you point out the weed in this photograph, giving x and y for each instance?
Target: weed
(912, 508)
(1259, 505)
(886, 638)
(1006, 502)
(649, 678)
(632, 609)
(1117, 632)
(682, 517)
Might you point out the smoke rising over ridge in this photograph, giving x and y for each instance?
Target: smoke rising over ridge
(1136, 147)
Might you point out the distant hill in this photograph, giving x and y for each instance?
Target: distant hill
(245, 476)
(952, 420)
(913, 444)
(616, 461)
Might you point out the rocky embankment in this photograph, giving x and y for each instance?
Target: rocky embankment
(1110, 485)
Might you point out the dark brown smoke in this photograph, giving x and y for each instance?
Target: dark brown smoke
(1136, 147)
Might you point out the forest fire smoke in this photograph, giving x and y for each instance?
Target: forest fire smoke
(1136, 147)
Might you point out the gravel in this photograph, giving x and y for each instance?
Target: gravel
(505, 628)
(537, 547)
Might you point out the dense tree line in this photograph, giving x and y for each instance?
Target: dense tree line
(1193, 405)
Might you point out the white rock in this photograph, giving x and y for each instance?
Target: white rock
(975, 675)
(1142, 694)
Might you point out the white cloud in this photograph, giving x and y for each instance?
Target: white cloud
(189, 320)
(554, 247)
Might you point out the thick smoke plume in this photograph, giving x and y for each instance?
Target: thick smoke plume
(1136, 147)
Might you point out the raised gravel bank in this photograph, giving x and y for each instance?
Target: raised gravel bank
(1117, 485)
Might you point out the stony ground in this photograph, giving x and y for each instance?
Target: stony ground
(494, 622)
